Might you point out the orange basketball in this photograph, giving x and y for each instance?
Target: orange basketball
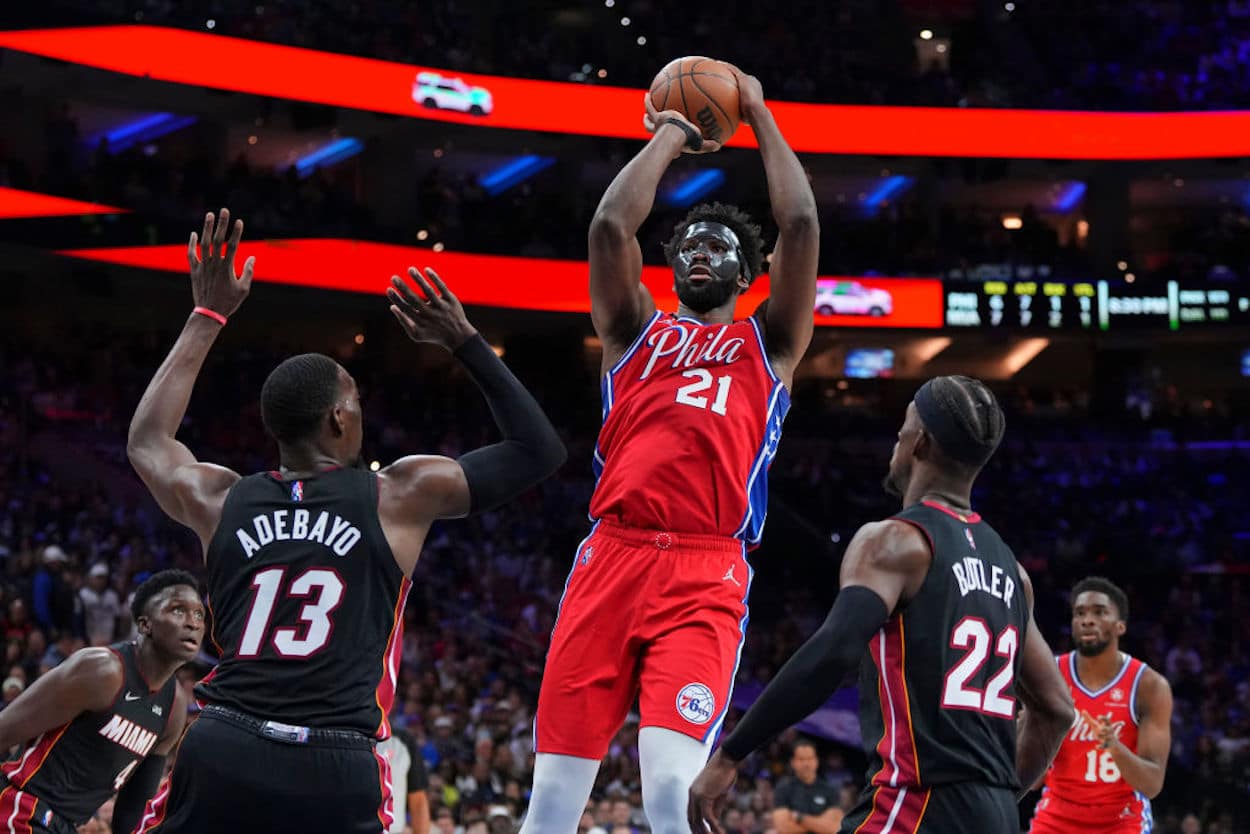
(704, 90)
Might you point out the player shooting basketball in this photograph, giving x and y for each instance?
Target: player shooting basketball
(693, 403)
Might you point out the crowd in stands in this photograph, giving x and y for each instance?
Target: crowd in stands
(1106, 55)
(1073, 494)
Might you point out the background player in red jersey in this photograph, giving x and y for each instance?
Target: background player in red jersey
(90, 720)
(693, 403)
(1113, 760)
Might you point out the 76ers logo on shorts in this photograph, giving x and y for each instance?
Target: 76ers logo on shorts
(695, 703)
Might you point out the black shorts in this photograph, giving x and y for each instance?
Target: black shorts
(235, 773)
(956, 808)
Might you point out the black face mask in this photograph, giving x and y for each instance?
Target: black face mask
(712, 252)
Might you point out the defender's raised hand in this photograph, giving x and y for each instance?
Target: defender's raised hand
(436, 318)
(214, 284)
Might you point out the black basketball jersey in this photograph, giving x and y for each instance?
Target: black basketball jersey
(937, 684)
(76, 767)
(307, 603)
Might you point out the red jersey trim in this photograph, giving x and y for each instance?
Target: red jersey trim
(895, 811)
(384, 695)
(20, 774)
(966, 518)
(897, 747)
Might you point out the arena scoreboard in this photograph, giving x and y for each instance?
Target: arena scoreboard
(1092, 305)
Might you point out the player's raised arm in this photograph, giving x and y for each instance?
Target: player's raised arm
(88, 680)
(421, 488)
(189, 491)
(1144, 769)
(885, 562)
(788, 321)
(619, 303)
(1049, 711)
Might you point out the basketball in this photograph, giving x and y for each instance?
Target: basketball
(704, 90)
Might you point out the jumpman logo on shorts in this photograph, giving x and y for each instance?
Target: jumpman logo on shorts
(729, 577)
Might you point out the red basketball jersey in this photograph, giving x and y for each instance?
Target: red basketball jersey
(692, 416)
(1081, 773)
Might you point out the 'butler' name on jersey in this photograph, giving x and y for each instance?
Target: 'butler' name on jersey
(971, 574)
(325, 528)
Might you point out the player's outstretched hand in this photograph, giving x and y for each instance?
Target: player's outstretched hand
(654, 119)
(214, 284)
(437, 317)
(709, 792)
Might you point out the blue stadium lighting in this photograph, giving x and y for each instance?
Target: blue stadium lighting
(330, 154)
(1070, 197)
(695, 187)
(512, 173)
(889, 188)
(144, 129)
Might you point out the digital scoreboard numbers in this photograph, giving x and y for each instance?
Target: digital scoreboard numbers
(1028, 305)
(1170, 305)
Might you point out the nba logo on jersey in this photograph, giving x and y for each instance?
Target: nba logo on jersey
(297, 491)
(971, 541)
(695, 703)
(47, 818)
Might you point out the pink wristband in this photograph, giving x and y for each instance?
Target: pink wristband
(212, 314)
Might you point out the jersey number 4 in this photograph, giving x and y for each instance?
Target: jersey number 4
(689, 394)
(973, 634)
(324, 589)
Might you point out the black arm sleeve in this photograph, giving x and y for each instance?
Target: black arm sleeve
(812, 674)
(134, 795)
(530, 451)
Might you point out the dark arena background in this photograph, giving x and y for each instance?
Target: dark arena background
(1052, 197)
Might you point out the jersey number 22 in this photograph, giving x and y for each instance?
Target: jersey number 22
(973, 634)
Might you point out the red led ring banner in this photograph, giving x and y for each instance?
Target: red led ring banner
(206, 60)
(17, 203)
(528, 283)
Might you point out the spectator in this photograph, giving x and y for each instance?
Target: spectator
(803, 803)
(101, 606)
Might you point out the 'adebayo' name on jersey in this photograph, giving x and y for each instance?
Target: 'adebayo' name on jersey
(330, 530)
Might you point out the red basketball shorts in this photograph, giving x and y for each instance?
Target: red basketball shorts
(647, 614)
(1056, 816)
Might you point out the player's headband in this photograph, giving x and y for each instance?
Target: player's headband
(950, 434)
(710, 228)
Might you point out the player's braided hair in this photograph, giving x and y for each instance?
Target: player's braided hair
(156, 583)
(972, 414)
(1102, 585)
(749, 233)
(296, 396)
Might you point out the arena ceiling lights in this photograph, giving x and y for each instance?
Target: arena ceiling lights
(180, 56)
(528, 283)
